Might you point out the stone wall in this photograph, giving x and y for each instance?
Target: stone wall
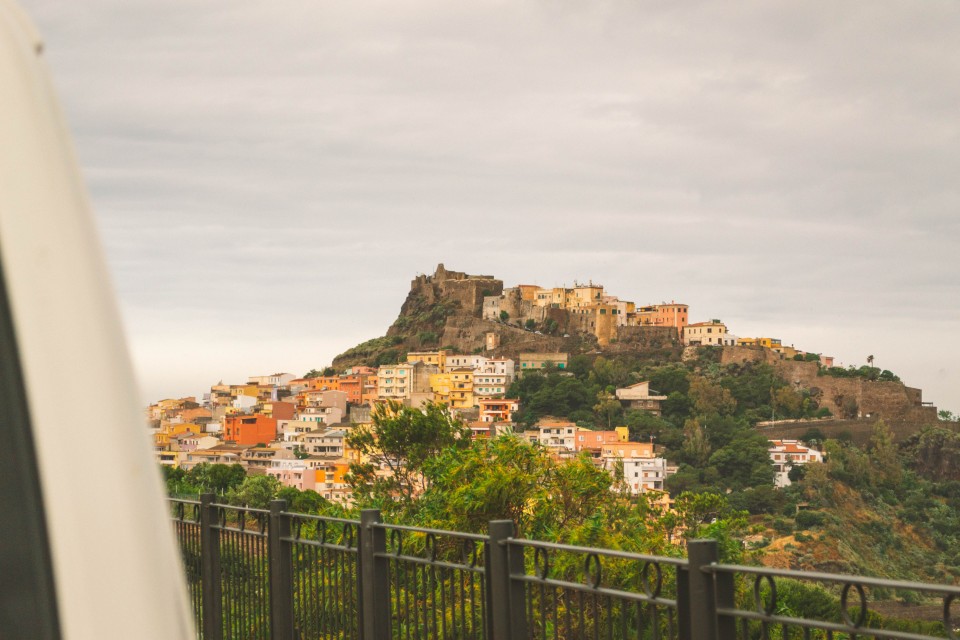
(887, 400)
(456, 287)
(645, 338)
(858, 430)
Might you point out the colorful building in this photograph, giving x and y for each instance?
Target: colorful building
(538, 361)
(712, 333)
(497, 410)
(249, 430)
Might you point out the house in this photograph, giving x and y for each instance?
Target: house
(559, 436)
(642, 470)
(594, 441)
(645, 474)
(278, 410)
(437, 359)
(249, 430)
(322, 415)
(712, 333)
(638, 396)
(787, 454)
(497, 410)
(539, 361)
(324, 442)
(409, 381)
(272, 380)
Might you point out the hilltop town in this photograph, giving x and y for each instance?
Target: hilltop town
(466, 342)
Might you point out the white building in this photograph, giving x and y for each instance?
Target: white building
(273, 380)
(787, 454)
(713, 333)
(558, 435)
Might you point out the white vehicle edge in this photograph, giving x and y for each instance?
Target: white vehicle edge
(116, 570)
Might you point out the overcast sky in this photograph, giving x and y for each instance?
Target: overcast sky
(269, 176)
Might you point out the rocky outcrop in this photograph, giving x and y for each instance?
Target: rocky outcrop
(446, 309)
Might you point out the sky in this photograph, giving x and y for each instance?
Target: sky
(269, 176)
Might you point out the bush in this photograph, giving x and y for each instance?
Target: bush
(809, 519)
(781, 525)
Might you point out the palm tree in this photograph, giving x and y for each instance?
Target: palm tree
(870, 360)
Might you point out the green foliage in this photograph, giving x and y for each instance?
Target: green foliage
(402, 440)
(255, 491)
(530, 324)
(372, 352)
(205, 477)
(865, 372)
(504, 316)
(935, 453)
(807, 519)
(428, 337)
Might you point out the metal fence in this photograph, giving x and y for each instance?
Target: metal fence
(259, 574)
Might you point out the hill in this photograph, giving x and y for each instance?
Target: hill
(445, 309)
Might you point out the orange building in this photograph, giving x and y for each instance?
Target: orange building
(255, 429)
(324, 383)
(497, 409)
(672, 315)
(359, 387)
(279, 410)
(594, 441)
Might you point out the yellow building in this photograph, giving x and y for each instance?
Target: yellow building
(251, 390)
(437, 358)
(454, 388)
(161, 439)
(768, 343)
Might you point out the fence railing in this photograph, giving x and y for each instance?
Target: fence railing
(273, 574)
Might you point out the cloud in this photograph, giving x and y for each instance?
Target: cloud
(283, 169)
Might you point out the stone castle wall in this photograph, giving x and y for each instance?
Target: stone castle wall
(887, 400)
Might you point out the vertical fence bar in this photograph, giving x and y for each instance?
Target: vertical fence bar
(507, 608)
(726, 598)
(703, 607)
(210, 570)
(374, 577)
(280, 566)
(683, 602)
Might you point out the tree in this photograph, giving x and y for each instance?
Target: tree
(695, 447)
(607, 407)
(306, 501)
(709, 397)
(530, 324)
(493, 479)
(218, 478)
(504, 316)
(401, 440)
(329, 371)
(255, 491)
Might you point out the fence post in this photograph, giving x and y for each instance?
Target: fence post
(281, 572)
(700, 590)
(374, 577)
(725, 594)
(210, 569)
(506, 598)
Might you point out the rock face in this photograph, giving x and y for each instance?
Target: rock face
(457, 290)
